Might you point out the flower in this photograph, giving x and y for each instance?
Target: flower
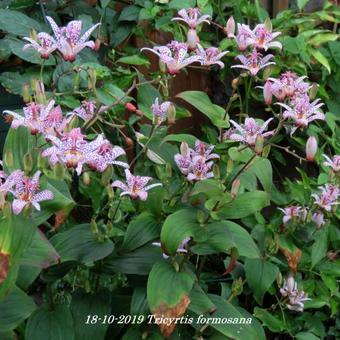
(333, 163)
(71, 149)
(85, 111)
(210, 56)
(328, 197)
(244, 36)
(9, 181)
(39, 118)
(191, 16)
(293, 212)
(183, 159)
(192, 38)
(248, 132)
(318, 219)
(263, 37)
(68, 39)
(159, 111)
(200, 169)
(174, 56)
(27, 192)
(204, 150)
(44, 45)
(311, 148)
(302, 111)
(295, 297)
(135, 186)
(182, 248)
(254, 62)
(229, 29)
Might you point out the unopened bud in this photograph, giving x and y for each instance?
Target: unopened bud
(237, 287)
(259, 142)
(129, 141)
(192, 38)
(28, 162)
(86, 178)
(313, 91)
(97, 44)
(130, 107)
(267, 72)
(216, 171)
(235, 83)
(230, 166)
(59, 171)
(8, 158)
(184, 148)
(267, 92)
(110, 191)
(33, 34)
(26, 96)
(311, 148)
(41, 162)
(235, 187)
(40, 92)
(168, 170)
(92, 78)
(162, 66)
(229, 29)
(107, 175)
(94, 226)
(268, 24)
(266, 151)
(76, 82)
(171, 113)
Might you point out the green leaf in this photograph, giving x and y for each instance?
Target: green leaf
(111, 93)
(244, 205)
(302, 3)
(80, 244)
(179, 4)
(85, 304)
(140, 231)
(260, 275)
(240, 156)
(17, 23)
(322, 38)
(262, 14)
(199, 301)
(210, 187)
(166, 287)
(269, 320)
(129, 13)
(262, 168)
(306, 336)
(14, 309)
(181, 137)
(202, 102)
(319, 248)
(176, 227)
(139, 261)
(320, 58)
(134, 60)
(54, 324)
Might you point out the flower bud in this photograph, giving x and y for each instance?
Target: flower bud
(168, 170)
(192, 38)
(94, 226)
(313, 91)
(311, 148)
(8, 158)
(259, 142)
(130, 107)
(86, 178)
(267, 93)
(235, 187)
(129, 142)
(171, 114)
(97, 44)
(92, 78)
(235, 82)
(184, 148)
(28, 162)
(237, 287)
(229, 29)
(107, 175)
(110, 191)
(230, 166)
(268, 24)
(162, 66)
(76, 82)
(59, 171)
(216, 171)
(26, 96)
(40, 92)
(267, 72)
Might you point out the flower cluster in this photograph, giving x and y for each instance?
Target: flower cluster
(295, 297)
(25, 190)
(196, 163)
(67, 40)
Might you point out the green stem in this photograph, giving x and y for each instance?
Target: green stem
(248, 89)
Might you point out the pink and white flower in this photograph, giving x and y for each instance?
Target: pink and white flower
(200, 169)
(44, 45)
(263, 38)
(302, 111)
(135, 186)
(244, 36)
(26, 192)
(247, 132)
(85, 111)
(192, 17)
(254, 62)
(68, 39)
(174, 55)
(159, 111)
(328, 197)
(293, 212)
(229, 29)
(182, 248)
(333, 163)
(210, 56)
(319, 219)
(204, 150)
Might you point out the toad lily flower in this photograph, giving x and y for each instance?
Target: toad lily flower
(210, 56)
(293, 212)
(192, 17)
(200, 169)
(27, 192)
(9, 181)
(328, 197)
(44, 45)
(135, 186)
(183, 159)
(39, 118)
(68, 39)
(182, 248)
(333, 163)
(248, 132)
(263, 38)
(204, 150)
(254, 62)
(159, 111)
(85, 111)
(244, 36)
(174, 56)
(302, 111)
